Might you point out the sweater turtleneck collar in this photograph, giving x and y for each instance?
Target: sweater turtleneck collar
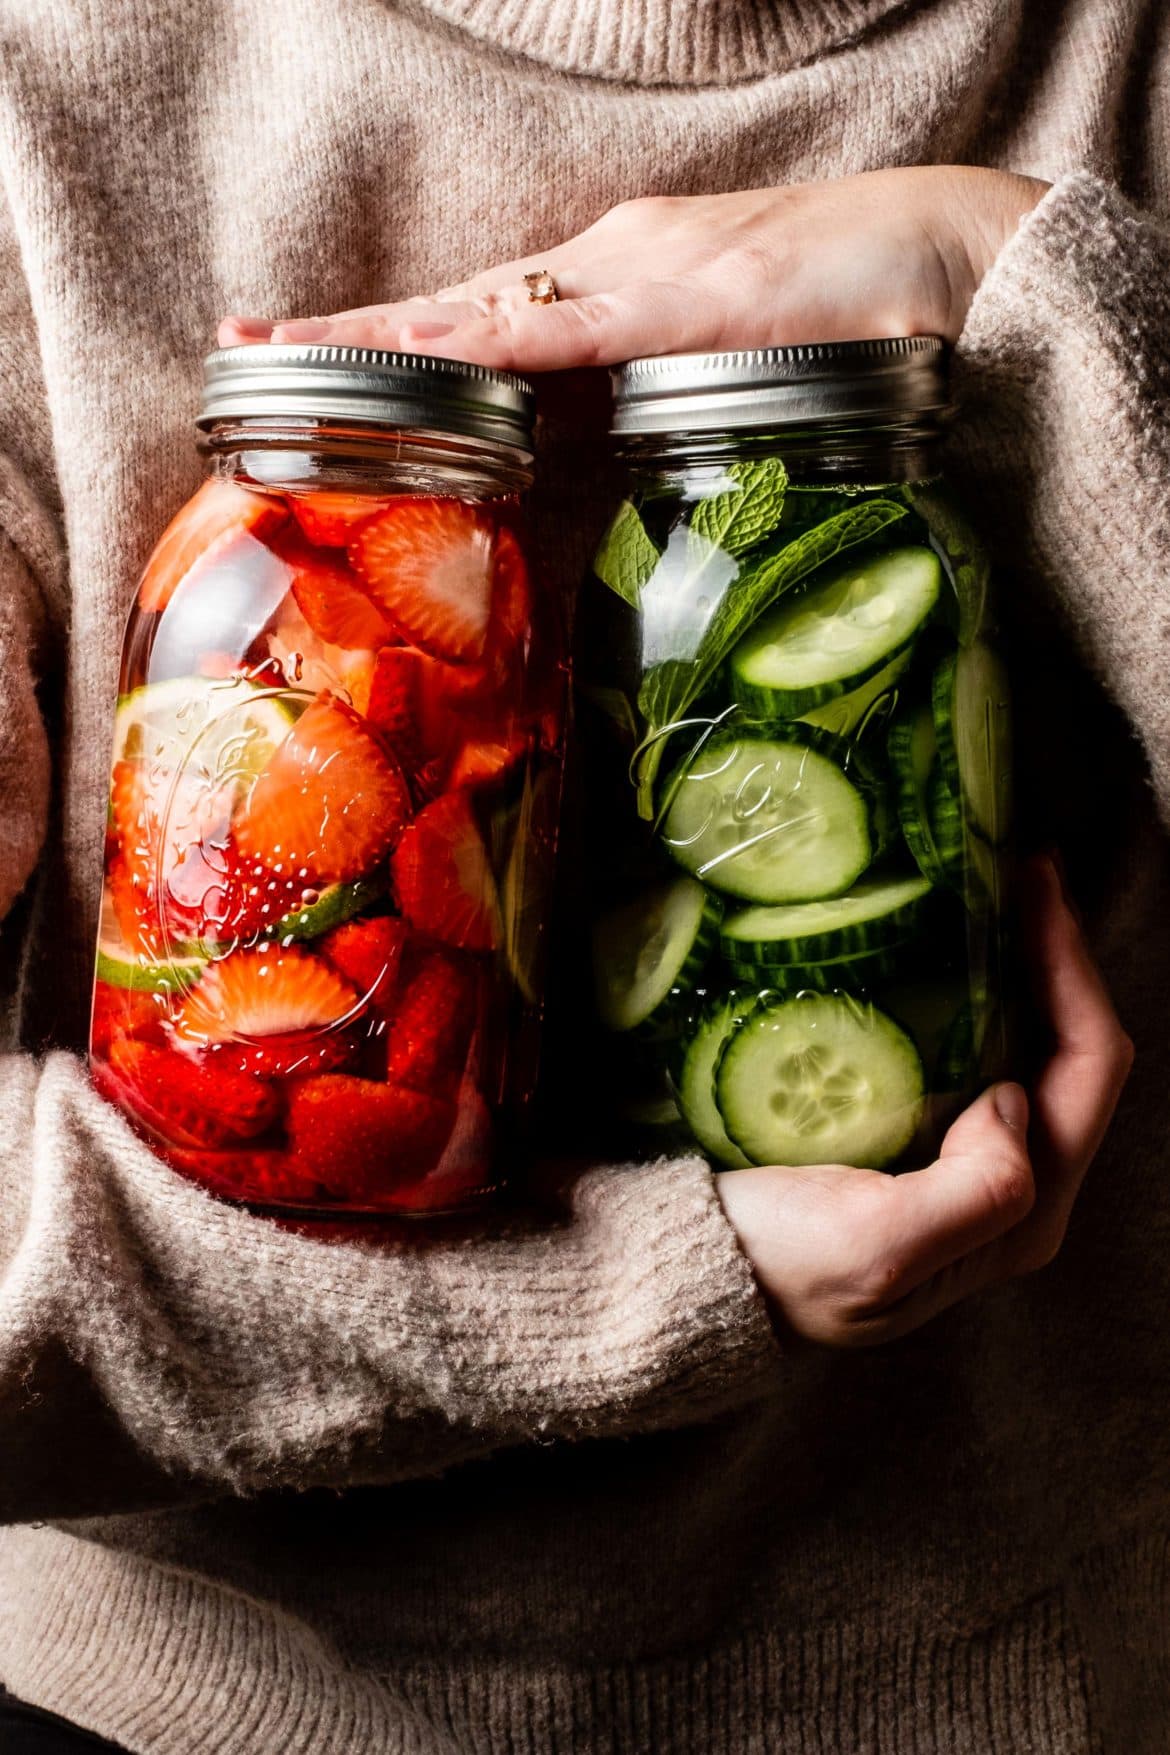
(664, 42)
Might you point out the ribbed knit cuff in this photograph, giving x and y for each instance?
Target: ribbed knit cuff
(243, 1355)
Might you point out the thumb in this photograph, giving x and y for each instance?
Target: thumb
(997, 1119)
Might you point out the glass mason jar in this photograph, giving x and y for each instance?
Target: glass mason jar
(334, 792)
(798, 783)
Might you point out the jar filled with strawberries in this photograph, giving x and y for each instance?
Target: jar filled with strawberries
(334, 793)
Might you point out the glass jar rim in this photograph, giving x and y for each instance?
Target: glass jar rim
(407, 392)
(808, 385)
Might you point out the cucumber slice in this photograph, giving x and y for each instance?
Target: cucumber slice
(839, 974)
(856, 711)
(971, 699)
(225, 728)
(913, 752)
(769, 818)
(648, 952)
(820, 1079)
(832, 637)
(874, 913)
(696, 1081)
(945, 815)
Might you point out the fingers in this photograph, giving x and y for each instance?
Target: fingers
(1078, 1088)
(980, 1187)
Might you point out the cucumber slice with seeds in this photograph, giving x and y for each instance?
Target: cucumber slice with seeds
(874, 913)
(831, 637)
(649, 952)
(971, 700)
(945, 815)
(696, 1082)
(770, 818)
(820, 1079)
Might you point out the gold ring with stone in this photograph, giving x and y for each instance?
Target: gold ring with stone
(542, 288)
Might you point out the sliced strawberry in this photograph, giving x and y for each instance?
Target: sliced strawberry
(218, 512)
(426, 709)
(330, 598)
(330, 803)
(465, 1169)
(188, 1102)
(433, 1020)
(430, 565)
(511, 611)
(274, 1010)
(330, 519)
(480, 762)
(442, 877)
(361, 1138)
(124, 1012)
(368, 953)
(260, 1177)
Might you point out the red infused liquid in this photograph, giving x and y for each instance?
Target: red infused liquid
(329, 848)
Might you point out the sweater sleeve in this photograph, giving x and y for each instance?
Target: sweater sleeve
(156, 1343)
(1063, 375)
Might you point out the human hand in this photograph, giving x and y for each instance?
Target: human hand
(898, 252)
(854, 1257)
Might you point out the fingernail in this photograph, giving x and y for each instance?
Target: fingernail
(253, 328)
(310, 329)
(426, 331)
(1011, 1102)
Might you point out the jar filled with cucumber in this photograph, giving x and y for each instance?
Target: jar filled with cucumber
(798, 769)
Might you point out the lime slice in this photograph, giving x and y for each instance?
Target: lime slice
(336, 904)
(220, 730)
(122, 967)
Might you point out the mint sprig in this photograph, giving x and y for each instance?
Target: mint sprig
(742, 516)
(670, 688)
(627, 557)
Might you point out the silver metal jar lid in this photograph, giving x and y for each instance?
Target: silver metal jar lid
(401, 390)
(780, 386)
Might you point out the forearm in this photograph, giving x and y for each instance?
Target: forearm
(215, 1352)
(1063, 376)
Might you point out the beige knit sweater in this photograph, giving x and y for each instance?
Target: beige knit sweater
(664, 1534)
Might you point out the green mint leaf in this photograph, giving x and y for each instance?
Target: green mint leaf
(627, 557)
(670, 688)
(744, 515)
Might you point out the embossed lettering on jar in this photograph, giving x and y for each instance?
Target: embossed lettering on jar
(334, 793)
(799, 777)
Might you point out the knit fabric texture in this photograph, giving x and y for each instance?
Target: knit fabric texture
(549, 1483)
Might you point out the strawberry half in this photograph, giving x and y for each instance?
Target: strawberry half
(360, 1138)
(426, 709)
(480, 762)
(124, 1012)
(190, 1103)
(273, 1010)
(330, 519)
(430, 566)
(260, 1176)
(330, 803)
(368, 953)
(442, 877)
(433, 1021)
(219, 511)
(330, 598)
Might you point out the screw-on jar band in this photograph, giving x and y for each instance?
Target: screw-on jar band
(409, 391)
(776, 387)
